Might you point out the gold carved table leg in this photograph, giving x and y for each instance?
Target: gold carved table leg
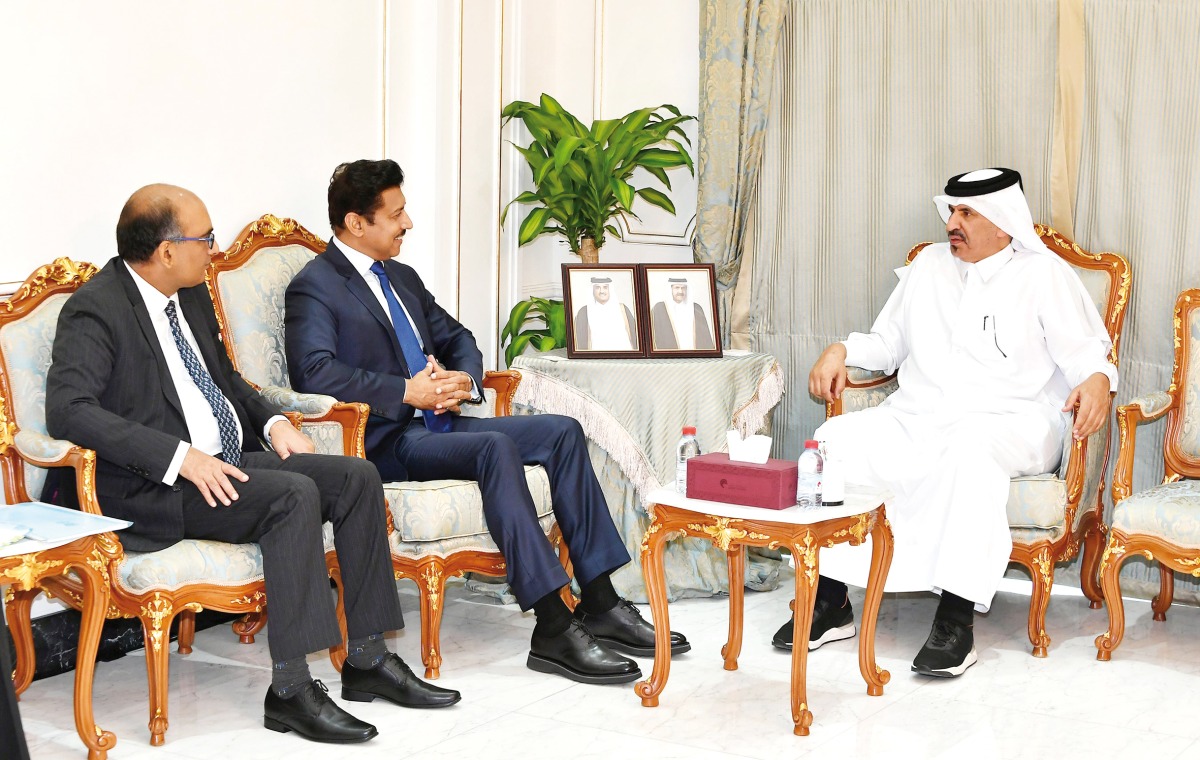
(656, 590)
(95, 603)
(806, 583)
(737, 599)
(881, 562)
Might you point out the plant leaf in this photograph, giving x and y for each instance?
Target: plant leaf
(566, 147)
(532, 226)
(623, 190)
(656, 198)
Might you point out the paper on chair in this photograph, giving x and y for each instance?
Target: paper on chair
(754, 449)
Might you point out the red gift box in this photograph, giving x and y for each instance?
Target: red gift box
(714, 477)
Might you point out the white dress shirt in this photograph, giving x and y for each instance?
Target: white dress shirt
(201, 424)
(1014, 332)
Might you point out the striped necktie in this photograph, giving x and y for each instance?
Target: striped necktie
(226, 424)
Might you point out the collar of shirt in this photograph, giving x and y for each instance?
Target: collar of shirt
(360, 261)
(986, 268)
(156, 302)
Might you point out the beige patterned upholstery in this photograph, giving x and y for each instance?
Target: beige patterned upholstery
(1161, 523)
(438, 526)
(1046, 524)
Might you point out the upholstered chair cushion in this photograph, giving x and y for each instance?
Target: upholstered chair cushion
(1036, 501)
(1189, 433)
(436, 510)
(1170, 511)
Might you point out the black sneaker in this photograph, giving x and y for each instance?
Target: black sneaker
(830, 623)
(948, 652)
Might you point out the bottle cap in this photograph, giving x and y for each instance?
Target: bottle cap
(689, 430)
(810, 444)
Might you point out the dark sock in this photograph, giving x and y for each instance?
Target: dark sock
(287, 676)
(955, 609)
(553, 617)
(365, 654)
(831, 591)
(598, 596)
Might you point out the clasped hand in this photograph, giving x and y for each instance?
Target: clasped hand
(437, 389)
(1092, 398)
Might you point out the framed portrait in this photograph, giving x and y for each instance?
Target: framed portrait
(601, 304)
(681, 304)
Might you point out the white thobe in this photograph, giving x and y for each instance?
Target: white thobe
(986, 356)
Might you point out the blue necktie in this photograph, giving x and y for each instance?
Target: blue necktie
(414, 357)
(226, 424)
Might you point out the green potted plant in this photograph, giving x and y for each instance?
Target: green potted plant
(582, 180)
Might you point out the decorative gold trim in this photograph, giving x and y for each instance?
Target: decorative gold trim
(257, 599)
(807, 555)
(62, 271)
(650, 531)
(858, 530)
(26, 575)
(723, 534)
(8, 428)
(433, 581)
(269, 226)
(1045, 567)
(158, 610)
(1113, 550)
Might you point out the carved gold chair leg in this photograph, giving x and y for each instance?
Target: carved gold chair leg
(1110, 582)
(337, 654)
(1042, 570)
(1166, 592)
(1089, 567)
(564, 556)
(156, 620)
(19, 625)
(737, 595)
(187, 631)
(248, 625)
(431, 582)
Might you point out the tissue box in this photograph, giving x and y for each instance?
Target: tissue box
(715, 478)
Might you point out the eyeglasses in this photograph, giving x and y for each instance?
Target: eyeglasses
(210, 239)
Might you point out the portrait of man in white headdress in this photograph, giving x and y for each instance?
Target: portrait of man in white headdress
(604, 322)
(678, 321)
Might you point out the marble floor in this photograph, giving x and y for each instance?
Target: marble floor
(1009, 705)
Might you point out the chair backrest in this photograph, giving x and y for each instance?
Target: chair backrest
(28, 323)
(248, 282)
(1181, 446)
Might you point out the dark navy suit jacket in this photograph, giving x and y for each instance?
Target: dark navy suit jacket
(340, 342)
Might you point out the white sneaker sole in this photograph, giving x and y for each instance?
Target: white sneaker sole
(952, 672)
(833, 634)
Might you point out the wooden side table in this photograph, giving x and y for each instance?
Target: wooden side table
(24, 571)
(732, 528)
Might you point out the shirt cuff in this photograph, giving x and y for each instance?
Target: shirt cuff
(176, 462)
(476, 394)
(270, 423)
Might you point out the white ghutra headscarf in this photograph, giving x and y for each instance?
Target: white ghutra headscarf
(997, 194)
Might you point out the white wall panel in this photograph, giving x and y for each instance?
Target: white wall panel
(250, 105)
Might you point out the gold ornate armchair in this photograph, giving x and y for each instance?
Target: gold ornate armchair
(154, 587)
(1161, 523)
(1049, 515)
(437, 528)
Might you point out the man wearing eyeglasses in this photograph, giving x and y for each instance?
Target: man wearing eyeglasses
(140, 376)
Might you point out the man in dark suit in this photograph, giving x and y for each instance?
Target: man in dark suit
(139, 375)
(362, 327)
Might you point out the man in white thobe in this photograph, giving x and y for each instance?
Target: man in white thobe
(995, 341)
(604, 324)
(680, 324)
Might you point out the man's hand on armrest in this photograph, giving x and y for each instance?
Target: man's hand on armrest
(1093, 399)
(827, 379)
(287, 440)
(437, 389)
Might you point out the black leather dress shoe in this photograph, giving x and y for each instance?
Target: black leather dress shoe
(624, 629)
(312, 714)
(394, 681)
(576, 654)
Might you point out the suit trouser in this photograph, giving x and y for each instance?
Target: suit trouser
(12, 738)
(493, 452)
(281, 508)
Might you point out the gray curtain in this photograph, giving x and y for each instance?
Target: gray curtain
(737, 55)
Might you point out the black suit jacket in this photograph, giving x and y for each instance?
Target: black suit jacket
(340, 342)
(109, 389)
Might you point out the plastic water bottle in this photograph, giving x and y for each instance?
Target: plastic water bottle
(687, 448)
(810, 467)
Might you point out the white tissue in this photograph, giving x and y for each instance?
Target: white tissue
(754, 449)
